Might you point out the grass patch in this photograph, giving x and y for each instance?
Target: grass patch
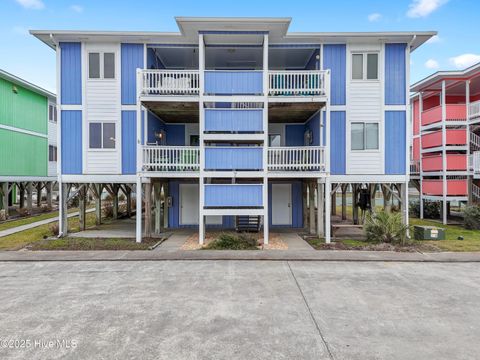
(233, 242)
(470, 242)
(92, 244)
(23, 238)
(31, 219)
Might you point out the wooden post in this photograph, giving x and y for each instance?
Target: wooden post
(305, 207)
(4, 198)
(29, 196)
(334, 203)
(320, 209)
(157, 189)
(39, 194)
(48, 188)
(115, 189)
(344, 201)
(128, 195)
(82, 200)
(64, 209)
(165, 205)
(148, 210)
(354, 203)
(373, 192)
(22, 195)
(98, 203)
(311, 204)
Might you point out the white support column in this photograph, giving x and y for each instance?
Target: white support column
(420, 109)
(328, 190)
(444, 153)
(266, 220)
(138, 214)
(470, 175)
(327, 127)
(320, 202)
(201, 109)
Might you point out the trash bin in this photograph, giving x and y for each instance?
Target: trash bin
(428, 233)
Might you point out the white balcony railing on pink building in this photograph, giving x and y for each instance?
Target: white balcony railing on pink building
(171, 158)
(474, 110)
(415, 167)
(297, 83)
(170, 82)
(476, 162)
(296, 158)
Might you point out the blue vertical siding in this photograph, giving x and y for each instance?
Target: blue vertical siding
(129, 142)
(234, 158)
(175, 135)
(313, 124)
(132, 58)
(227, 120)
(154, 124)
(297, 205)
(395, 142)
(233, 195)
(337, 142)
(294, 135)
(233, 82)
(335, 59)
(395, 74)
(71, 73)
(174, 210)
(71, 142)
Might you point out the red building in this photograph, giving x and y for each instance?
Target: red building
(445, 156)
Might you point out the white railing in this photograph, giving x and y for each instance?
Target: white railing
(476, 192)
(415, 167)
(170, 82)
(171, 158)
(476, 162)
(475, 141)
(474, 110)
(293, 158)
(296, 83)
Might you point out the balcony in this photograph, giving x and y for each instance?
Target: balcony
(233, 195)
(455, 137)
(297, 83)
(474, 111)
(296, 158)
(454, 112)
(170, 158)
(455, 162)
(414, 167)
(170, 82)
(475, 163)
(435, 187)
(230, 82)
(233, 158)
(234, 120)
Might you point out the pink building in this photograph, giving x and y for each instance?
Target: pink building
(445, 156)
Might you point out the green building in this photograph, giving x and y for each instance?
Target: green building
(28, 138)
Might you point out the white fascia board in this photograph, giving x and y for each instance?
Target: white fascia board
(28, 85)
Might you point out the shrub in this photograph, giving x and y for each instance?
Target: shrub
(23, 212)
(55, 228)
(233, 242)
(3, 215)
(383, 227)
(471, 217)
(45, 208)
(431, 209)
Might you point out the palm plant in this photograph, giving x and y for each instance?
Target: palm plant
(383, 227)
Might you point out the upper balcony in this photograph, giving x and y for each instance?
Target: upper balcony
(454, 112)
(157, 83)
(474, 112)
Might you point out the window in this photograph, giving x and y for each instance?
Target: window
(102, 135)
(52, 153)
(101, 65)
(274, 140)
(52, 113)
(365, 66)
(364, 136)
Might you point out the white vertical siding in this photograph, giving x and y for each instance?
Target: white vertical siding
(365, 104)
(102, 103)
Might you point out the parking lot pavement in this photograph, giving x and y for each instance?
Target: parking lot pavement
(239, 310)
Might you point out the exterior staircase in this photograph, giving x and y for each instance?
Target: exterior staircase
(475, 141)
(247, 223)
(476, 193)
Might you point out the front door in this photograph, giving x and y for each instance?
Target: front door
(282, 204)
(189, 197)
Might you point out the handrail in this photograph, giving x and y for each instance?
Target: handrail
(171, 158)
(170, 82)
(297, 83)
(296, 158)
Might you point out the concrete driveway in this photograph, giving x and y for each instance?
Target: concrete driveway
(240, 310)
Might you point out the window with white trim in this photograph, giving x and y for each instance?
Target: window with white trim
(364, 136)
(101, 65)
(52, 113)
(52, 153)
(101, 135)
(365, 66)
